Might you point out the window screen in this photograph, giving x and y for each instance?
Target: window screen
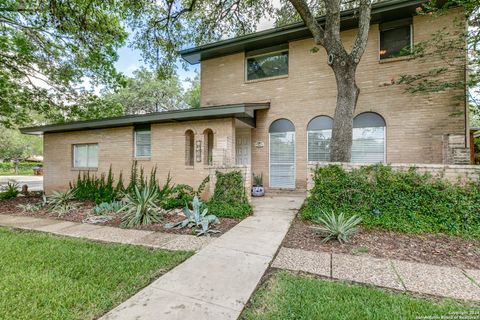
(85, 155)
(395, 42)
(368, 145)
(267, 65)
(142, 142)
(319, 136)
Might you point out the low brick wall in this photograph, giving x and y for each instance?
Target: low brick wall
(454, 173)
(245, 170)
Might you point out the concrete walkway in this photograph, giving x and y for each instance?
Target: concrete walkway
(217, 282)
(396, 274)
(152, 239)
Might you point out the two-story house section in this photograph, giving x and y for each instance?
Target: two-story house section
(267, 103)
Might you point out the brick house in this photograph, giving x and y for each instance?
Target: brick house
(267, 103)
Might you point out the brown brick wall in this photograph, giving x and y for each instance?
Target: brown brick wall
(416, 123)
(115, 148)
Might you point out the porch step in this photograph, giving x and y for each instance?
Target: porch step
(285, 192)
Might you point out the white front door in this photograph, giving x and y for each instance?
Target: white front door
(242, 146)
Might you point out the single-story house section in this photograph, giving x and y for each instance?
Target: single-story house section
(267, 104)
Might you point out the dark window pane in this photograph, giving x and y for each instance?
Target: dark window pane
(271, 65)
(395, 42)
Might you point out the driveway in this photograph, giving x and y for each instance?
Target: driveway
(34, 183)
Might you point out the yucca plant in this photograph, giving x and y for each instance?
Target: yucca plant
(337, 226)
(141, 207)
(107, 207)
(60, 201)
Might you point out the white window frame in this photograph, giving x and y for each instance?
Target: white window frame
(380, 41)
(266, 54)
(135, 143)
(384, 146)
(74, 147)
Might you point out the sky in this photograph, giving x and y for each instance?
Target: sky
(130, 59)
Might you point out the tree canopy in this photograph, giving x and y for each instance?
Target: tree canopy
(48, 48)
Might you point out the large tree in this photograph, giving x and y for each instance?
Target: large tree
(169, 25)
(47, 50)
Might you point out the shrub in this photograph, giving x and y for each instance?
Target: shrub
(10, 191)
(141, 207)
(182, 194)
(337, 227)
(229, 199)
(197, 218)
(405, 201)
(25, 167)
(98, 189)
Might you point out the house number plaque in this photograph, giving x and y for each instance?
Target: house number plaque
(259, 144)
(198, 150)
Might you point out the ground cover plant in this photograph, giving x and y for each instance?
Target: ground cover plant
(289, 296)
(49, 277)
(406, 201)
(10, 190)
(229, 199)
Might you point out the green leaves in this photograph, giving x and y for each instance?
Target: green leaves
(337, 226)
(141, 207)
(406, 201)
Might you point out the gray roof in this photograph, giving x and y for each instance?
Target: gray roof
(383, 11)
(244, 112)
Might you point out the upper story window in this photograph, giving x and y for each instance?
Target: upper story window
(85, 155)
(395, 39)
(267, 63)
(142, 141)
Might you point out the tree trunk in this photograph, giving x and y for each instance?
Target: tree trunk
(347, 96)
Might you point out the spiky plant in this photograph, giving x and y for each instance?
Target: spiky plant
(141, 207)
(338, 227)
(60, 201)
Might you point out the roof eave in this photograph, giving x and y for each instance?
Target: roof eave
(215, 112)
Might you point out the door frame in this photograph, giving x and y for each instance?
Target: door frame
(294, 162)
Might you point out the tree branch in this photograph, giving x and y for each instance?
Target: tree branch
(309, 19)
(363, 28)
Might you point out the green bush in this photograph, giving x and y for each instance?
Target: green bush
(24, 168)
(98, 189)
(10, 191)
(229, 199)
(392, 200)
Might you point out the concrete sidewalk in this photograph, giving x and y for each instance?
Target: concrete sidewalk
(152, 239)
(401, 275)
(217, 282)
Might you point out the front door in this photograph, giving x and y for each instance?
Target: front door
(282, 159)
(242, 146)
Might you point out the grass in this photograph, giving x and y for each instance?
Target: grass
(43, 276)
(289, 296)
(23, 172)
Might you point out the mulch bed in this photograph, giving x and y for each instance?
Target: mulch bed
(84, 210)
(437, 249)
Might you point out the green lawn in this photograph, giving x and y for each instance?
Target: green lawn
(43, 276)
(289, 296)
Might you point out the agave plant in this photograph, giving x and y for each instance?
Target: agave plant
(107, 207)
(337, 227)
(141, 207)
(196, 218)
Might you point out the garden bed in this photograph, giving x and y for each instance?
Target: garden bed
(84, 208)
(438, 249)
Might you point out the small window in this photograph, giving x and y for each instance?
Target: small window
(208, 146)
(189, 148)
(85, 155)
(319, 135)
(395, 39)
(142, 141)
(267, 65)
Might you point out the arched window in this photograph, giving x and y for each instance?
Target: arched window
(319, 134)
(282, 154)
(189, 148)
(368, 145)
(208, 146)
